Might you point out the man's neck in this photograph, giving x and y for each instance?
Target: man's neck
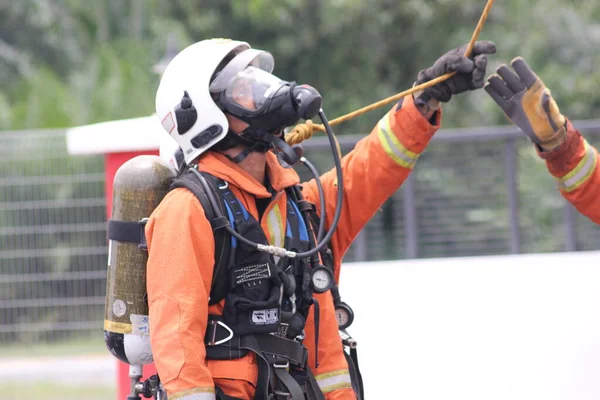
(255, 163)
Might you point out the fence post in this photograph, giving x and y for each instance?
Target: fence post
(410, 218)
(569, 215)
(510, 177)
(359, 247)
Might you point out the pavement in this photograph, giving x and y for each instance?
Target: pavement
(85, 369)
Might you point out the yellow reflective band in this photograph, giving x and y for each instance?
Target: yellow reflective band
(581, 172)
(117, 327)
(201, 393)
(392, 145)
(275, 225)
(276, 230)
(334, 380)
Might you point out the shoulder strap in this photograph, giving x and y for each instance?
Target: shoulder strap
(223, 246)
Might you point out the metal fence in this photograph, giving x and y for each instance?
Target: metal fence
(474, 192)
(52, 239)
(479, 191)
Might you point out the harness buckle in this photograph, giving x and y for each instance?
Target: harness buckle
(215, 324)
(280, 395)
(224, 186)
(284, 365)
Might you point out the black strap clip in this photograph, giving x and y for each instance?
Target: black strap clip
(143, 243)
(281, 395)
(128, 232)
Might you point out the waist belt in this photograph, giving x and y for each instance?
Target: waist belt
(222, 344)
(282, 372)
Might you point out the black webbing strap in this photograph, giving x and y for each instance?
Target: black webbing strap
(223, 248)
(288, 382)
(264, 369)
(272, 369)
(304, 205)
(317, 315)
(279, 347)
(240, 215)
(313, 390)
(220, 395)
(355, 375)
(128, 232)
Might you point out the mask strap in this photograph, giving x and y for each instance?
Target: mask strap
(240, 157)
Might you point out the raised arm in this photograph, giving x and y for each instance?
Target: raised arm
(528, 103)
(382, 161)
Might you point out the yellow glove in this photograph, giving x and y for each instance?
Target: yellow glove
(528, 103)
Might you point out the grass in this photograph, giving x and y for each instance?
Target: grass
(48, 390)
(81, 346)
(51, 391)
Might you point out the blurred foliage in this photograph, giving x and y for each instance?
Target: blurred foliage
(69, 62)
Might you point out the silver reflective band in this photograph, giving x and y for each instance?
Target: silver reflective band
(330, 381)
(581, 172)
(392, 145)
(195, 394)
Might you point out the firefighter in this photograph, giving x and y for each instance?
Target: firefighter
(569, 157)
(254, 329)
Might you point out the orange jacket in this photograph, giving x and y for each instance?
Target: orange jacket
(181, 259)
(575, 165)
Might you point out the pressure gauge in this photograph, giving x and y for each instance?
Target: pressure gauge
(321, 278)
(344, 315)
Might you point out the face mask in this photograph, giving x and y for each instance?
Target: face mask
(247, 90)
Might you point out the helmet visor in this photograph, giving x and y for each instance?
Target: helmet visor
(250, 57)
(251, 87)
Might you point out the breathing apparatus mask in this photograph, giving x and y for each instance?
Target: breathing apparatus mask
(246, 89)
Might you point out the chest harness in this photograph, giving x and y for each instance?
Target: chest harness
(267, 300)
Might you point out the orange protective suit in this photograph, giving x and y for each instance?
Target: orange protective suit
(575, 165)
(181, 256)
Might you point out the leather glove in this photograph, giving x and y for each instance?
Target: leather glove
(470, 72)
(528, 103)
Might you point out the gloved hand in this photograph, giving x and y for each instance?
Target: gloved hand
(528, 103)
(470, 72)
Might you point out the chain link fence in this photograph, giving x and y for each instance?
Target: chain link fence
(474, 192)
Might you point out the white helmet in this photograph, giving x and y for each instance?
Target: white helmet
(184, 103)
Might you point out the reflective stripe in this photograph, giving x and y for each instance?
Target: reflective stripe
(275, 226)
(392, 145)
(203, 393)
(581, 172)
(334, 380)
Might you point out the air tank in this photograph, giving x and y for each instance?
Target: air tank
(139, 186)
